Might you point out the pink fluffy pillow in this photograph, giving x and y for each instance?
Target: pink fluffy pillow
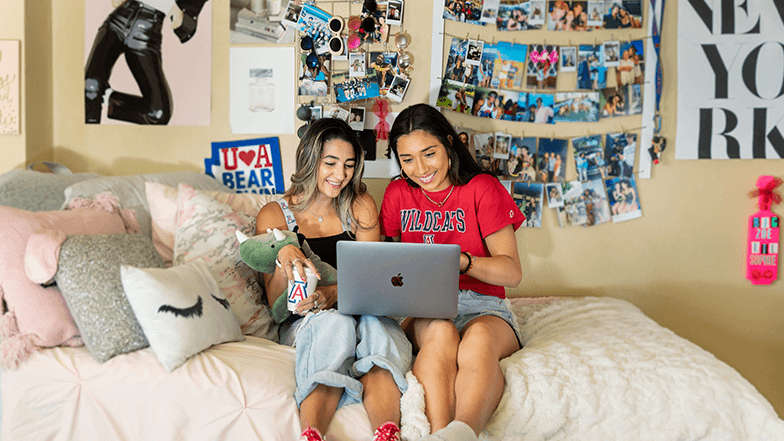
(37, 315)
(162, 201)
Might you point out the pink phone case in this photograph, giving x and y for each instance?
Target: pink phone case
(762, 248)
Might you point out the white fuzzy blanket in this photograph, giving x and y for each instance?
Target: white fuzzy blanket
(599, 369)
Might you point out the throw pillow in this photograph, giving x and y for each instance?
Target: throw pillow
(130, 190)
(36, 191)
(162, 200)
(181, 310)
(206, 230)
(39, 316)
(88, 276)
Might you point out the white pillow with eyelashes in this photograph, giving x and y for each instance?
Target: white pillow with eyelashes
(180, 309)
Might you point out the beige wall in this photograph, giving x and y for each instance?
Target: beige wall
(682, 263)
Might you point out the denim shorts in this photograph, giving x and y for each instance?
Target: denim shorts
(336, 350)
(471, 305)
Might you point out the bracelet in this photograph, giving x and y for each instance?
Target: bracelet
(470, 261)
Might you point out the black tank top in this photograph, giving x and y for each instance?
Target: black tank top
(324, 247)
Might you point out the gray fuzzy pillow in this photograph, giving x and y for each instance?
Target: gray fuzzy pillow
(88, 276)
(36, 191)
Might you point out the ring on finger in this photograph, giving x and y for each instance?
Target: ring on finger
(296, 260)
(318, 296)
(315, 302)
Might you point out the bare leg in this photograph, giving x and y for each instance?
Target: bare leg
(436, 367)
(480, 382)
(381, 397)
(318, 408)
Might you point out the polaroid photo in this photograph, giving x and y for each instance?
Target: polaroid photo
(502, 144)
(395, 12)
(338, 113)
(356, 118)
(357, 64)
(597, 207)
(595, 13)
(398, 88)
(554, 195)
(528, 197)
(568, 58)
(538, 12)
(455, 96)
(474, 52)
(316, 112)
(623, 199)
(612, 53)
(291, 16)
(573, 211)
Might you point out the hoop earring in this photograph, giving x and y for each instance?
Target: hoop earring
(403, 174)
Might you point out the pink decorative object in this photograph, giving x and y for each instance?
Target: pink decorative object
(762, 248)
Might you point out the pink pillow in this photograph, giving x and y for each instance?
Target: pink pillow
(38, 316)
(162, 200)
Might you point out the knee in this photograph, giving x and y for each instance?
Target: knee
(438, 336)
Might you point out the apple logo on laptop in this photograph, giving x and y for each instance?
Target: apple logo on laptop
(397, 280)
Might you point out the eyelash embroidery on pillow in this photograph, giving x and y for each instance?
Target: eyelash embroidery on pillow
(194, 310)
(223, 302)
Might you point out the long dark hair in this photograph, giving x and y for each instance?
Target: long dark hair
(309, 152)
(428, 119)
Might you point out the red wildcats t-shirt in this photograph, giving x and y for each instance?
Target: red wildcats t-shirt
(471, 213)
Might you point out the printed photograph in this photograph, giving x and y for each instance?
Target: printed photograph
(508, 100)
(542, 72)
(568, 58)
(595, 13)
(591, 73)
(354, 88)
(502, 144)
(611, 51)
(484, 144)
(573, 212)
(525, 112)
(315, 78)
(381, 28)
(597, 208)
(551, 166)
(508, 66)
(293, 9)
(398, 89)
(382, 69)
(538, 13)
(528, 197)
(395, 12)
(474, 52)
(623, 199)
(464, 11)
(455, 61)
(543, 107)
(631, 66)
(555, 198)
(589, 158)
(521, 164)
(356, 63)
(622, 14)
(487, 104)
(634, 95)
(356, 118)
(620, 149)
(513, 15)
(576, 106)
(613, 102)
(456, 96)
(314, 22)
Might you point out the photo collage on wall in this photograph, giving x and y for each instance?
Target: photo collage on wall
(513, 82)
(552, 15)
(605, 188)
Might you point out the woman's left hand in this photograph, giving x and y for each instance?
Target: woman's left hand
(325, 297)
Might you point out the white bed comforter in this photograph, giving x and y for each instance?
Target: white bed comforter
(591, 369)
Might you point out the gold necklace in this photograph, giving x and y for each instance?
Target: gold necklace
(438, 204)
(320, 218)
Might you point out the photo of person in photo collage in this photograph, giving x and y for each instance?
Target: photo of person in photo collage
(528, 197)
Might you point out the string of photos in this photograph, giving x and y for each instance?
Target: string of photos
(519, 82)
(520, 15)
(377, 76)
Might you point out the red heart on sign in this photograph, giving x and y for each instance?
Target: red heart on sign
(247, 156)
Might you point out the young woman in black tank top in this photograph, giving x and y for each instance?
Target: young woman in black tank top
(340, 359)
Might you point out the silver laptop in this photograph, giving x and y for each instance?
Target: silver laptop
(398, 279)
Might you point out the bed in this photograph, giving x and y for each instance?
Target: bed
(591, 368)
